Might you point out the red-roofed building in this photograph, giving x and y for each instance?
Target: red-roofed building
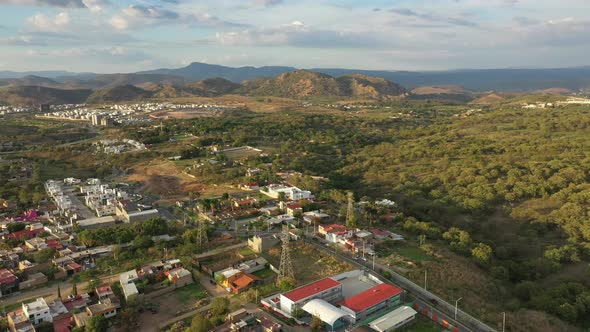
(294, 209)
(246, 202)
(333, 228)
(54, 244)
(64, 324)
(25, 234)
(240, 282)
(326, 289)
(364, 304)
(8, 282)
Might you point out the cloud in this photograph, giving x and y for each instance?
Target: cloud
(451, 20)
(22, 41)
(42, 22)
(138, 16)
(90, 4)
(267, 3)
(299, 35)
(122, 54)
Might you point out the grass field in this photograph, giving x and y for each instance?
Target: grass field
(190, 293)
(421, 324)
(266, 273)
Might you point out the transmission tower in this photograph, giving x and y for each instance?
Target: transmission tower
(286, 266)
(350, 213)
(202, 239)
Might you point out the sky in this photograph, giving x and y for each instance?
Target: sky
(107, 36)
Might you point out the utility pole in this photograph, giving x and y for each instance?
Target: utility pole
(374, 254)
(503, 321)
(456, 306)
(425, 278)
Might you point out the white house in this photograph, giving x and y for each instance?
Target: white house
(38, 311)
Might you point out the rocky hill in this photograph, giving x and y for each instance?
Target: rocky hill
(305, 84)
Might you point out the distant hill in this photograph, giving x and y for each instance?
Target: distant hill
(120, 93)
(215, 86)
(94, 81)
(35, 95)
(447, 92)
(304, 84)
(200, 71)
(30, 80)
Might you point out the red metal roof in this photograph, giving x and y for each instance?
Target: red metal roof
(7, 277)
(306, 291)
(371, 297)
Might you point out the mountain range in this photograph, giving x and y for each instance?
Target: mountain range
(200, 79)
(501, 80)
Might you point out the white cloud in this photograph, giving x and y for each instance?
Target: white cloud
(45, 23)
(139, 16)
(93, 5)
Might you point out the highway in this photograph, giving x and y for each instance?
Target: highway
(443, 309)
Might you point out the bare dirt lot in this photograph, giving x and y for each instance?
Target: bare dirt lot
(163, 178)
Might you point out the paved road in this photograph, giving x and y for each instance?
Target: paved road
(445, 310)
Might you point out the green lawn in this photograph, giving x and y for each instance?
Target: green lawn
(264, 273)
(413, 253)
(190, 293)
(422, 324)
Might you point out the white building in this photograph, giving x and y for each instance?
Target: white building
(38, 311)
(291, 193)
(394, 320)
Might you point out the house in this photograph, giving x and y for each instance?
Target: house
(291, 193)
(313, 217)
(245, 203)
(37, 311)
(294, 209)
(326, 289)
(240, 282)
(179, 277)
(127, 280)
(78, 302)
(268, 325)
(102, 309)
(270, 210)
(36, 243)
(8, 282)
(376, 299)
(105, 295)
(261, 243)
(339, 237)
(18, 321)
(325, 229)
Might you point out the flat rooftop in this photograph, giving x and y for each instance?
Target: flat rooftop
(354, 285)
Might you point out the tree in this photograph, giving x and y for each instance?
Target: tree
(282, 197)
(74, 289)
(199, 324)
(482, 252)
(219, 306)
(317, 324)
(58, 291)
(97, 324)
